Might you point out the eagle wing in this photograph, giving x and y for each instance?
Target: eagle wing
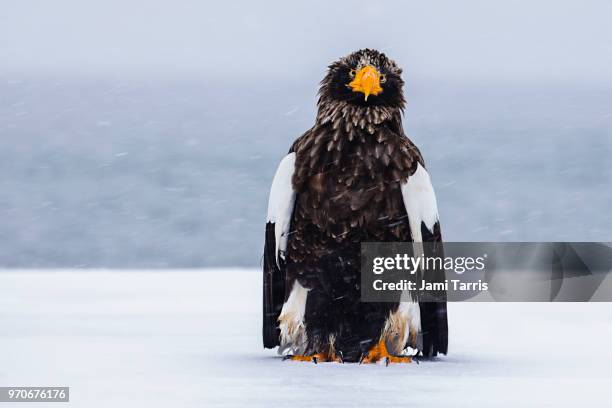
(422, 209)
(280, 209)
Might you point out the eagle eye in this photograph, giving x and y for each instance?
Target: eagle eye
(352, 73)
(383, 78)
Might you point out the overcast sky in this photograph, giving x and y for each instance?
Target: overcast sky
(534, 39)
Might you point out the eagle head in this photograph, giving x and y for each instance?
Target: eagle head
(364, 78)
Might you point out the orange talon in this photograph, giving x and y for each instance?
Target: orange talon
(379, 352)
(313, 358)
(317, 358)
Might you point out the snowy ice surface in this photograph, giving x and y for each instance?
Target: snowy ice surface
(192, 339)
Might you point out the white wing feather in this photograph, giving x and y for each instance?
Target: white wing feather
(420, 202)
(421, 207)
(281, 202)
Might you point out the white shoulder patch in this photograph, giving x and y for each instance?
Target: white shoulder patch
(420, 202)
(281, 202)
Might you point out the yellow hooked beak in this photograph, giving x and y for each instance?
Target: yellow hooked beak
(367, 81)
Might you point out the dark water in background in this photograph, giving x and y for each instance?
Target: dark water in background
(118, 173)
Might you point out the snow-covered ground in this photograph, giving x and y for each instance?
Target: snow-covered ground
(192, 339)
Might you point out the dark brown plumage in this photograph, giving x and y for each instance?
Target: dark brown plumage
(347, 179)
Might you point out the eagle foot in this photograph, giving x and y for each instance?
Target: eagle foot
(316, 358)
(380, 353)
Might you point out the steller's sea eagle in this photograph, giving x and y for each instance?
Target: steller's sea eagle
(353, 177)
